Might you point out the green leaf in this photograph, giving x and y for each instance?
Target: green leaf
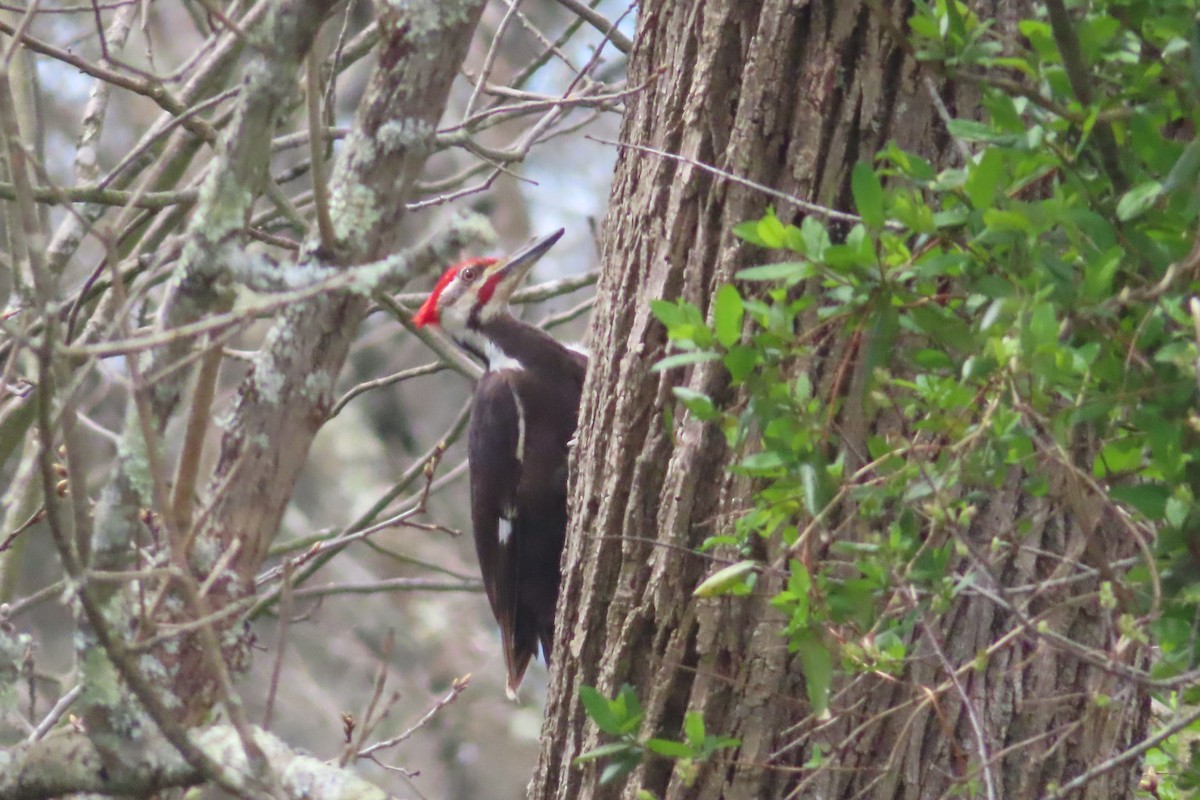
(1043, 325)
(1138, 200)
(684, 359)
(771, 231)
(955, 18)
(816, 238)
(600, 710)
(816, 488)
(1006, 220)
(700, 404)
(881, 343)
(748, 231)
(969, 130)
(668, 312)
(628, 709)
(942, 325)
(604, 751)
(984, 178)
(932, 360)
(767, 460)
(714, 743)
(868, 194)
(1118, 456)
(1148, 498)
(620, 767)
(727, 315)
(816, 662)
(670, 749)
(793, 239)
(1183, 173)
(725, 579)
(783, 271)
(741, 361)
(693, 727)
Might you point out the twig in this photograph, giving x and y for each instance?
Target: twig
(29, 249)
(597, 21)
(34, 518)
(550, 49)
(379, 383)
(453, 134)
(316, 151)
(456, 688)
(55, 713)
(944, 113)
(563, 317)
(489, 60)
(114, 647)
(15, 45)
(1077, 73)
(40, 596)
(418, 468)
(436, 341)
(805, 205)
(285, 619)
(219, 567)
(389, 585)
(152, 90)
(188, 468)
(985, 761)
(380, 275)
(1124, 756)
(467, 191)
(366, 725)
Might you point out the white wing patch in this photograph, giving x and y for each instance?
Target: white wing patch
(504, 529)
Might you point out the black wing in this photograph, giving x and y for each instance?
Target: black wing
(495, 466)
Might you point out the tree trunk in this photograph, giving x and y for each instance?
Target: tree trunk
(789, 95)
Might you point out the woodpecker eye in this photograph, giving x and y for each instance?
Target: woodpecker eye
(467, 274)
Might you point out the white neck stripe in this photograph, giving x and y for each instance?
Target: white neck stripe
(497, 359)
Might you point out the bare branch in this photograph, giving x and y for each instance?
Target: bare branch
(456, 688)
(69, 763)
(597, 21)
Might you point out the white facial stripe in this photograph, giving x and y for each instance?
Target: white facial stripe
(453, 317)
(505, 530)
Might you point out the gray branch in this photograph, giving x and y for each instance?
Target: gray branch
(69, 762)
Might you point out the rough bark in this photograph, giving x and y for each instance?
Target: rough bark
(790, 95)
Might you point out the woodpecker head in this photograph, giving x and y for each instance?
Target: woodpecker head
(473, 291)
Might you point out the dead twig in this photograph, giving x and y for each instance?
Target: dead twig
(456, 688)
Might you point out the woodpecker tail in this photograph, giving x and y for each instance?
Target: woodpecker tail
(517, 654)
(531, 629)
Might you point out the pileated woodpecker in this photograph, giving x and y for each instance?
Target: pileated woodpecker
(524, 414)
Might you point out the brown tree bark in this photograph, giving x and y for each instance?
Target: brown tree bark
(790, 95)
